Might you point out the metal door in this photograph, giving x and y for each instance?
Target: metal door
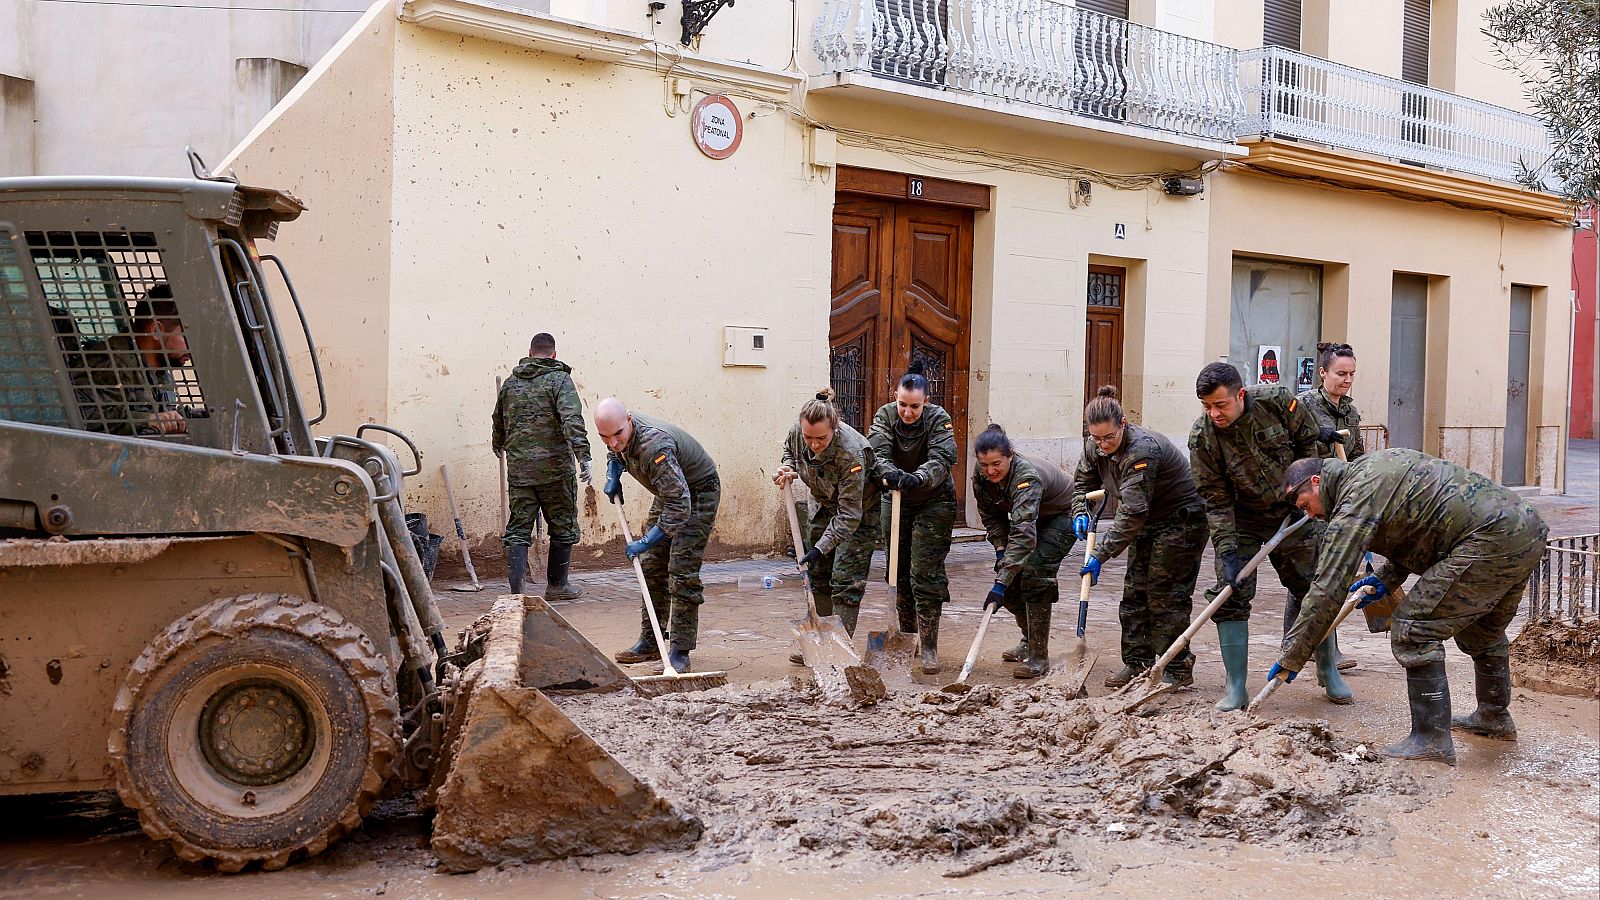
(1514, 469)
(1408, 360)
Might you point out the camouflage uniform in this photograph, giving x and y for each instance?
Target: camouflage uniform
(538, 425)
(1161, 522)
(844, 525)
(1338, 416)
(677, 470)
(1474, 543)
(1028, 514)
(927, 514)
(1238, 472)
(119, 393)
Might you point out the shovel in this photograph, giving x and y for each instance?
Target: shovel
(824, 642)
(670, 679)
(1338, 449)
(1082, 644)
(960, 686)
(892, 649)
(461, 534)
(1344, 613)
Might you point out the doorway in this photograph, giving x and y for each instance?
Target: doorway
(1514, 469)
(1102, 354)
(1408, 360)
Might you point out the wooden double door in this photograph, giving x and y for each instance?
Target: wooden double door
(902, 291)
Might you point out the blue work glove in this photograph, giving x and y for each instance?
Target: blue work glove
(614, 480)
(1378, 590)
(1091, 568)
(1080, 526)
(651, 538)
(997, 596)
(811, 556)
(1278, 667)
(910, 481)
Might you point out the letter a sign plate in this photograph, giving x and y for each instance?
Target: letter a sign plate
(717, 126)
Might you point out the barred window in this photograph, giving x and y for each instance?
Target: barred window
(28, 390)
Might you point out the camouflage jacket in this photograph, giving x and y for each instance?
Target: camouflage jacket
(670, 464)
(1413, 509)
(538, 423)
(1337, 416)
(1149, 477)
(927, 448)
(838, 479)
(1011, 509)
(118, 392)
(1238, 469)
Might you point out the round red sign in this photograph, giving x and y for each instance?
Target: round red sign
(717, 126)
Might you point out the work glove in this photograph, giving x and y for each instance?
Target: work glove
(1230, 568)
(1091, 568)
(910, 481)
(1278, 667)
(891, 479)
(1081, 526)
(996, 598)
(1327, 435)
(583, 473)
(614, 480)
(811, 556)
(651, 538)
(1378, 590)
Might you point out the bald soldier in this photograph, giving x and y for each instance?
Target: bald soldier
(682, 476)
(1474, 544)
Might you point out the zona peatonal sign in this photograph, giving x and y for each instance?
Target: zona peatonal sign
(717, 126)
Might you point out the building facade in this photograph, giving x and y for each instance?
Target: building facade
(1032, 198)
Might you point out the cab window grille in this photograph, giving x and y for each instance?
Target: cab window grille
(28, 387)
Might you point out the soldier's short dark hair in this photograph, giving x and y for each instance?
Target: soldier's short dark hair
(543, 342)
(156, 305)
(1298, 476)
(1218, 375)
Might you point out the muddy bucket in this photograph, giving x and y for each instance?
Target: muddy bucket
(518, 779)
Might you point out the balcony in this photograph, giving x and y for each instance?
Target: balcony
(1080, 66)
(1292, 95)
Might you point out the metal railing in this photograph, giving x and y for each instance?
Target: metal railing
(1566, 585)
(1289, 94)
(1042, 52)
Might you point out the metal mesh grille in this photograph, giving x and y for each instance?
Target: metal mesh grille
(1105, 289)
(112, 310)
(934, 369)
(28, 391)
(849, 379)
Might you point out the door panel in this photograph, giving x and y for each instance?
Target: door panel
(858, 326)
(1102, 354)
(1514, 470)
(1408, 360)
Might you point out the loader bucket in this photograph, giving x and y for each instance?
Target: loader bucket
(518, 780)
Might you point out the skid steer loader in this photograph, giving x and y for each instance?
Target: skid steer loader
(222, 616)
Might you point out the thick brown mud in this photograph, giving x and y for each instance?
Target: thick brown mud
(1558, 657)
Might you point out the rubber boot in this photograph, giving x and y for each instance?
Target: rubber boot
(1234, 639)
(1020, 651)
(1492, 677)
(1428, 691)
(643, 650)
(1123, 675)
(849, 615)
(1038, 641)
(906, 608)
(1328, 673)
(678, 656)
(1342, 663)
(516, 566)
(928, 631)
(557, 587)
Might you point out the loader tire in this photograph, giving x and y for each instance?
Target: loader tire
(254, 729)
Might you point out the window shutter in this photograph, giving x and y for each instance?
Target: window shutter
(1117, 8)
(1418, 23)
(1281, 27)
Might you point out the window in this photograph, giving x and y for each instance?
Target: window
(1416, 25)
(1281, 25)
(28, 388)
(1276, 321)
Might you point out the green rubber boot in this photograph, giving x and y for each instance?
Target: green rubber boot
(1428, 691)
(1234, 638)
(1328, 673)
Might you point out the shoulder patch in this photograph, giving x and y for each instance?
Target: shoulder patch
(1023, 484)
(949, 425)
(854, 469)
(1293, 403)
(1140, 465)
(659, 459)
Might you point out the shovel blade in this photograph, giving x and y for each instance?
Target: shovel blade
(832, 658)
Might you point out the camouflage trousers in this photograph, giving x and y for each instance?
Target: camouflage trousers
(1295, 561)
(1158, 591)
(1037, 583)
(556, 499)
(672, 567)
(840, 577)
(925, 532)
(1470, 595)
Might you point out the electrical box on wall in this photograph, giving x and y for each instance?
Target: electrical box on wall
(744, 346)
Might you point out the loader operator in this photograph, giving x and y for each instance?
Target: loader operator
(126, 388)
(677, 470)
(538, 427)
(1026, 508)
(1160, 521)
(1238, 452)
(833, 460)
(1474, 543)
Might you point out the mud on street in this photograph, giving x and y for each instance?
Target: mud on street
(1013, 789)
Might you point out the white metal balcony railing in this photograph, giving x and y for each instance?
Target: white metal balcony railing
(1043, 52)
(1289, 94)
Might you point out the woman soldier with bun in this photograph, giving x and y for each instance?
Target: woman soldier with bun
(833, 460)
(914, 448)
(1160, 521)
(1330, 402)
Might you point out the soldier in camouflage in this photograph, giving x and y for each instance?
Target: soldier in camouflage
(538, 428)
(1334, 411)
(1026, 507)
(1160, 521)
(1238, 451)
(833, 460)
(1474, 544)
(125, 386)
(681, 474)
(914, 448)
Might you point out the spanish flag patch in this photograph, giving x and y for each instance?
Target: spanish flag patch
(1140, 465)
(949, 425)
(660, 458)
(1023, 484)
(1292, 404)
(855, 470)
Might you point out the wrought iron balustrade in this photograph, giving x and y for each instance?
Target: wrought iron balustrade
(1042, 52)
(1290, 94)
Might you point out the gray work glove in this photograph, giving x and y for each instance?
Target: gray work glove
(583, 473)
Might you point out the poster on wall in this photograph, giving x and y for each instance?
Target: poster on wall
(1306, 373)
(1267, 364)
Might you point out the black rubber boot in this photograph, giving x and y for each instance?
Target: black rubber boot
(557, 587)
(516, 566)
(849, 615)
(679, 657)
(643, 650)
(906, 608)
(1342, 663)
(1038, 641)
(928, 631)
(1428, 691)
(1492, 678)
(1020, 651)
(1123, 675)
